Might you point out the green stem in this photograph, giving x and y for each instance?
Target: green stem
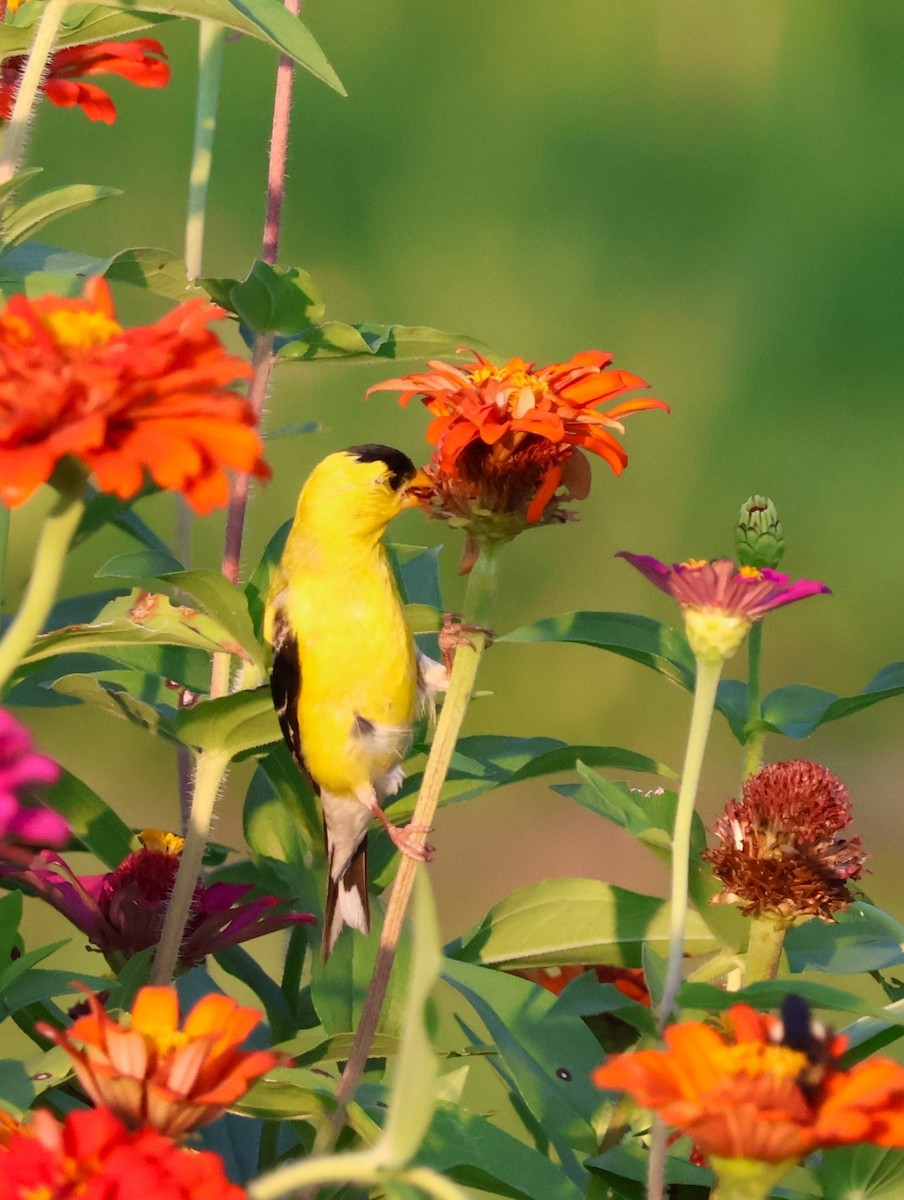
(211, 769)
(478, 607)
(211, 36)
(360, 1169)
(764, 950)
(293, 966)
(4, 548)
(708, 674)
(54, 540)
(753, 749)
(15, 135)
(269, 1144)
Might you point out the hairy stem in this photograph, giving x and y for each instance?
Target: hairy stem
(15, 137)
(54, 540)
(478, 609)
(708, 674)
(209, 774)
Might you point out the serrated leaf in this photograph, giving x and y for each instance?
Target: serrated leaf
(574, 921)
(338, 340)
(640, 638)
(21, 222)
(231, 724)
(266, 20)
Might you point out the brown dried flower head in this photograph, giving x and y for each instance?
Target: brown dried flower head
(779, 853)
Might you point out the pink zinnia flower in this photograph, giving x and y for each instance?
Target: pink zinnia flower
(721, 600)
(22, 768)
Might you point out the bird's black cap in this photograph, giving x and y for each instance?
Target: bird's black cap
(401, 468)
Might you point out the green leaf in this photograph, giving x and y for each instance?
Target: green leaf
(21, 222)
(549, 1055)
(266, 20)
(232, 724)
(270, 299)
(797, 710)
(771, 993)
(10, 919)
(861, 938)
(337, 340)
(258, 586)
(640, 638)
(16, 1087)
(36, 268)
(861, 1173)
(94, 823)
(137, 620)
(473, 1152)
(240, 965)
(220, 599)
(113, 697)
(412, 1093)
(574, 921)
(37, 985)
(105, 509)
(632, 1161)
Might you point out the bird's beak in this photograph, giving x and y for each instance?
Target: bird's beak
(418, 490)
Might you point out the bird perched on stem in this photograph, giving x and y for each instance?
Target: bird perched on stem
(345, 677)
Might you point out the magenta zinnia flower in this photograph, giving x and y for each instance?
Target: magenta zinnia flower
(22, 768)
(721, 600)
(122, 911)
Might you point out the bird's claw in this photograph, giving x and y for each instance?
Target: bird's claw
(456, 632)
(404, 842)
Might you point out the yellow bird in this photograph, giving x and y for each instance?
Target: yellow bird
(346, 674)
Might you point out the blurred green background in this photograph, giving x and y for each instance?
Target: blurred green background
(713, 192)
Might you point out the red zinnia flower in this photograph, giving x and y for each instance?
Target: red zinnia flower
(154, 1073)
(123, 402)
(507, 437)
(93, 1156)
(142, 62)
(759, 1094)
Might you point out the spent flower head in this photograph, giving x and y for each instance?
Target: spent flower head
(124, 403)
(21, 769)
(767, 1091)
(92, 1155)
(778, 852)
(152, 1072)
(508, 438)
(720, 600)
(121, 912)
(142, 62)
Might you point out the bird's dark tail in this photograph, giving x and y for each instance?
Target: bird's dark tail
(347, 899)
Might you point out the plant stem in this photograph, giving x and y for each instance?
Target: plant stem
(47, 568)
(358, 1169)
(209, 773)
(211, 37)
(764, 950)
(15, 136)
(707, 682)
(753, 749)
(478, 609)
(4, 548)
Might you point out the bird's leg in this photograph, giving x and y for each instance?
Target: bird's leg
(455, 633)
(401, 837)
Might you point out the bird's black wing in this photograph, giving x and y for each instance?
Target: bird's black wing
(285, 687)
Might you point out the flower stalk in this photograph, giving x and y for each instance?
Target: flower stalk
(55, 538)
(209, 774)
(764, 949)
(478, 609)
(707, 683)
(753, 750)
(15, 136)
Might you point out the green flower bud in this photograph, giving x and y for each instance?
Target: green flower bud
(758, 534)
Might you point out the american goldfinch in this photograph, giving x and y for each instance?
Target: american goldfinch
(345, 676)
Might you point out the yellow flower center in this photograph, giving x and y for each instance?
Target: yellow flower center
(694, 564)
(513, 378)
(79, 330)
(757, 1058)
(159, 839)
(750, 572)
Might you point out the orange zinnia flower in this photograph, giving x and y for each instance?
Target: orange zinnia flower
(154, 1073)
(123, 402)
(507, 437)
(142, 62)
(93, 1156)
(769, 1093)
